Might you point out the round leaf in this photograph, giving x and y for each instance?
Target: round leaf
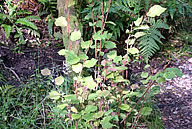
(45, 72)
(59, 80)
(54, 95)
(90, 63)
(99, 114)
(75, 35)
(77, 67)
(61, 21)
(124, 107)
(90, 108)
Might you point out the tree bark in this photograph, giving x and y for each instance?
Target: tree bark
(66, 9)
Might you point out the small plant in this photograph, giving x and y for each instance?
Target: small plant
(11, 23)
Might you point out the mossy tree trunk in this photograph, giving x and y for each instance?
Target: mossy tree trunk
(66, 9)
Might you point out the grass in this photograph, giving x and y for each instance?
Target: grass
(28, 106)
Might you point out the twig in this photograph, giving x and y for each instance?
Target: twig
(137, 102)
(12, 72)
(139, 114)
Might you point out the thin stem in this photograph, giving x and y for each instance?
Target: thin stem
(138, 101)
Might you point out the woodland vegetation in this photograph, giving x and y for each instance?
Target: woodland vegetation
(89, 64)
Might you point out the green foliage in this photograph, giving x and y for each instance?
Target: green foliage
(49, 6)
(10, 21)
(150, 41)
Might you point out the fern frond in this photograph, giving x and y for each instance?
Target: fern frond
(26, 22)
(149, 44)
(158, 24)
(156, 32)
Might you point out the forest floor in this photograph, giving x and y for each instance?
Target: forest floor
(175, 99)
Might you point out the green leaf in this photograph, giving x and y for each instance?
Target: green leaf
(142, 27)
(91, 85)
(108, 112)
(133, 50)
(77, 67)
(97, 36)
(154, 90)
(70, 97)
(62, 106)
(33, 18)
(169, 75)
(88, 117)
(117, 59)
(54, 95)
(26, 22)
(144, 74)
(146, 66)
(89, 82)
(90, 63)
(160, 80)
(99, 23)
(172, 12)
(130, 41)
(59, 80)
(62, 52)
(7, 29)
(61, 21)
(106, 122)
(103, 93)
(112, 54)
(125, 107)
(110, 45)
(146, 111)
(73, 109)
(176, 71)
(91, 24)
(75, 35)
(92, 96)
(71, 57)
(75, 116)
(156, 10)
(98, 114)
(139, 34)
(138, 21)
(100, 36)
(86, 44)
(110, 22)
(83, 56)
(90, 108)
(120, 79)
(121, 68)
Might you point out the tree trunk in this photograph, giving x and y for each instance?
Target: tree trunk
(66, 9)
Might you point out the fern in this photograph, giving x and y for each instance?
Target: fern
(26, 22)
(149, 44)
